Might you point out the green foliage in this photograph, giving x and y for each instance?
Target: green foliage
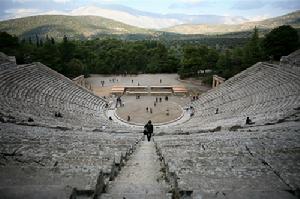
(109, 56)
(281, 41)
(75, 66)
(198, 58)
(113, 56)
(7, 40)
(253, 51)
(207, 80)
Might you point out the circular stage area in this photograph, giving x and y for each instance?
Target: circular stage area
(163, 112)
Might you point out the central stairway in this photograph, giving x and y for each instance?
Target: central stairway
(141, 178)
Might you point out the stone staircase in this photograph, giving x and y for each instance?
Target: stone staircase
(141, 178)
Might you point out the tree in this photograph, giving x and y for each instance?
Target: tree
(52, 40)
(66, 49)
(224, 65)
(212, 59)
(192, 59)
(7, 40)
(75, 67)
(281, 41)
(37, 40)
(252, 51)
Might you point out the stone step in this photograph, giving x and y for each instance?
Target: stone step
(250, 194)
(132, 187)
(35, 192)
(136, 196)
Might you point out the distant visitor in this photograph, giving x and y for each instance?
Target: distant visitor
(148, 130)
(249, 121)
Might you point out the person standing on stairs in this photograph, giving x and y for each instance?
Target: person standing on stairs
(148, 130)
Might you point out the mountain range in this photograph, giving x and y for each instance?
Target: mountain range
(122, 21)
(292, 19)
(152, 20)
(74, 26)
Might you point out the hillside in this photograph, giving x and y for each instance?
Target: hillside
(151, 20)
(292, 19)
(84, 27)
(74, 26)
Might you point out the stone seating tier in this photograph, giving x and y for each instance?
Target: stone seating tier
(263, 92)
(260, 160)
(41, 159)
(36, 91)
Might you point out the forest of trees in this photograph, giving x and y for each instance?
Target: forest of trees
(111, 56)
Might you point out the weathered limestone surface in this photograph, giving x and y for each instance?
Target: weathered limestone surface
(264, 92)
(293, 59)
(262, 160)
(7, 61)
(35, 91)
(37, 161)
(142, 177)
(210, 156)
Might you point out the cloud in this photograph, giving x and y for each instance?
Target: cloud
(22, 12)
(56, 1)
(190, 1)
(61, 1)
(287, 4)
(259, 17)
(257, 4)
(248, 4)
(186, 4)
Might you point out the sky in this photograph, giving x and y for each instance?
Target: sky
(250, 9)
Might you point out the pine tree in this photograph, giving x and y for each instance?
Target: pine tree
(37, 40)
(253, 51)
(52, 41)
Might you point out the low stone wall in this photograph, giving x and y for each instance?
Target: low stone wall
(217, 80)
(80, 80)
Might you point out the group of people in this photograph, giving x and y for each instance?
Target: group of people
(119, 101)
(102, 83)
(149, 110)
(195, 97)
(137, 83)
(113, 80)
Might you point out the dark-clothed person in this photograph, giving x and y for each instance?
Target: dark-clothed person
(148, 130)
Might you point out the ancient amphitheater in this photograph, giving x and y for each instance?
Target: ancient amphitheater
(57, 140)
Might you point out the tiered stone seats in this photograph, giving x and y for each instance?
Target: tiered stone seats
(254, 162)
(292, 59)
(7, 62)
(263, 92)
(39, 162)
(239, 161)
(35, 91)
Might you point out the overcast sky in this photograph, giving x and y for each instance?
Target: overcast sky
(251, 9)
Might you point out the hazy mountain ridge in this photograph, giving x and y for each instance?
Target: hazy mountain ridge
(292, 19)
(83, 27)
(153, 20)
(74, 26)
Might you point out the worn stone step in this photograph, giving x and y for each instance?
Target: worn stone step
(136, 196)
(131, 187)
(35, 192)
(249, 194)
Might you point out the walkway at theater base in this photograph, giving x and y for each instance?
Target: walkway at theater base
(141, 178)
